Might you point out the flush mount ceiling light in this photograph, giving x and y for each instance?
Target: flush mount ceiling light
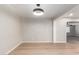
(38, 11)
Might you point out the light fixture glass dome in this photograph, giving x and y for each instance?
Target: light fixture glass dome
(38, 11)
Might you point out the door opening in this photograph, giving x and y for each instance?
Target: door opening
(73, 32)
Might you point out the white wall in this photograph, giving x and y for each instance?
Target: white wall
(59, 31)
(37, 30)
(10, 32)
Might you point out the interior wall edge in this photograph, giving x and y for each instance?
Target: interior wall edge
(19, 43)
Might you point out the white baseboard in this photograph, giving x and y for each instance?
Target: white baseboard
(14, 48)
(44, 42)
(37, 41)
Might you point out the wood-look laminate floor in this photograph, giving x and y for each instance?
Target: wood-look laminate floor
(46, 49)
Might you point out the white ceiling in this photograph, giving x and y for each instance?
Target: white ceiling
(26, 10)
(74, 12)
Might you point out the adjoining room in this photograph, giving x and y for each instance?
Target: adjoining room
(73, 34)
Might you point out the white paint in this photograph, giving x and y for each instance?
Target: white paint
(26, 10)
(36, 41)
(60, 29)
(10, 32)
(34, 30)
(59, 34)
(37, 30)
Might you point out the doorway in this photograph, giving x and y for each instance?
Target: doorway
(73, 32)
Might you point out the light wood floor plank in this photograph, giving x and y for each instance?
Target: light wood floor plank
(46, 49)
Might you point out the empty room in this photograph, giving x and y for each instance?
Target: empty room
(39, 29)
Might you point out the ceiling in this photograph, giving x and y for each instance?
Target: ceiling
(75, 12)
(26, 10)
